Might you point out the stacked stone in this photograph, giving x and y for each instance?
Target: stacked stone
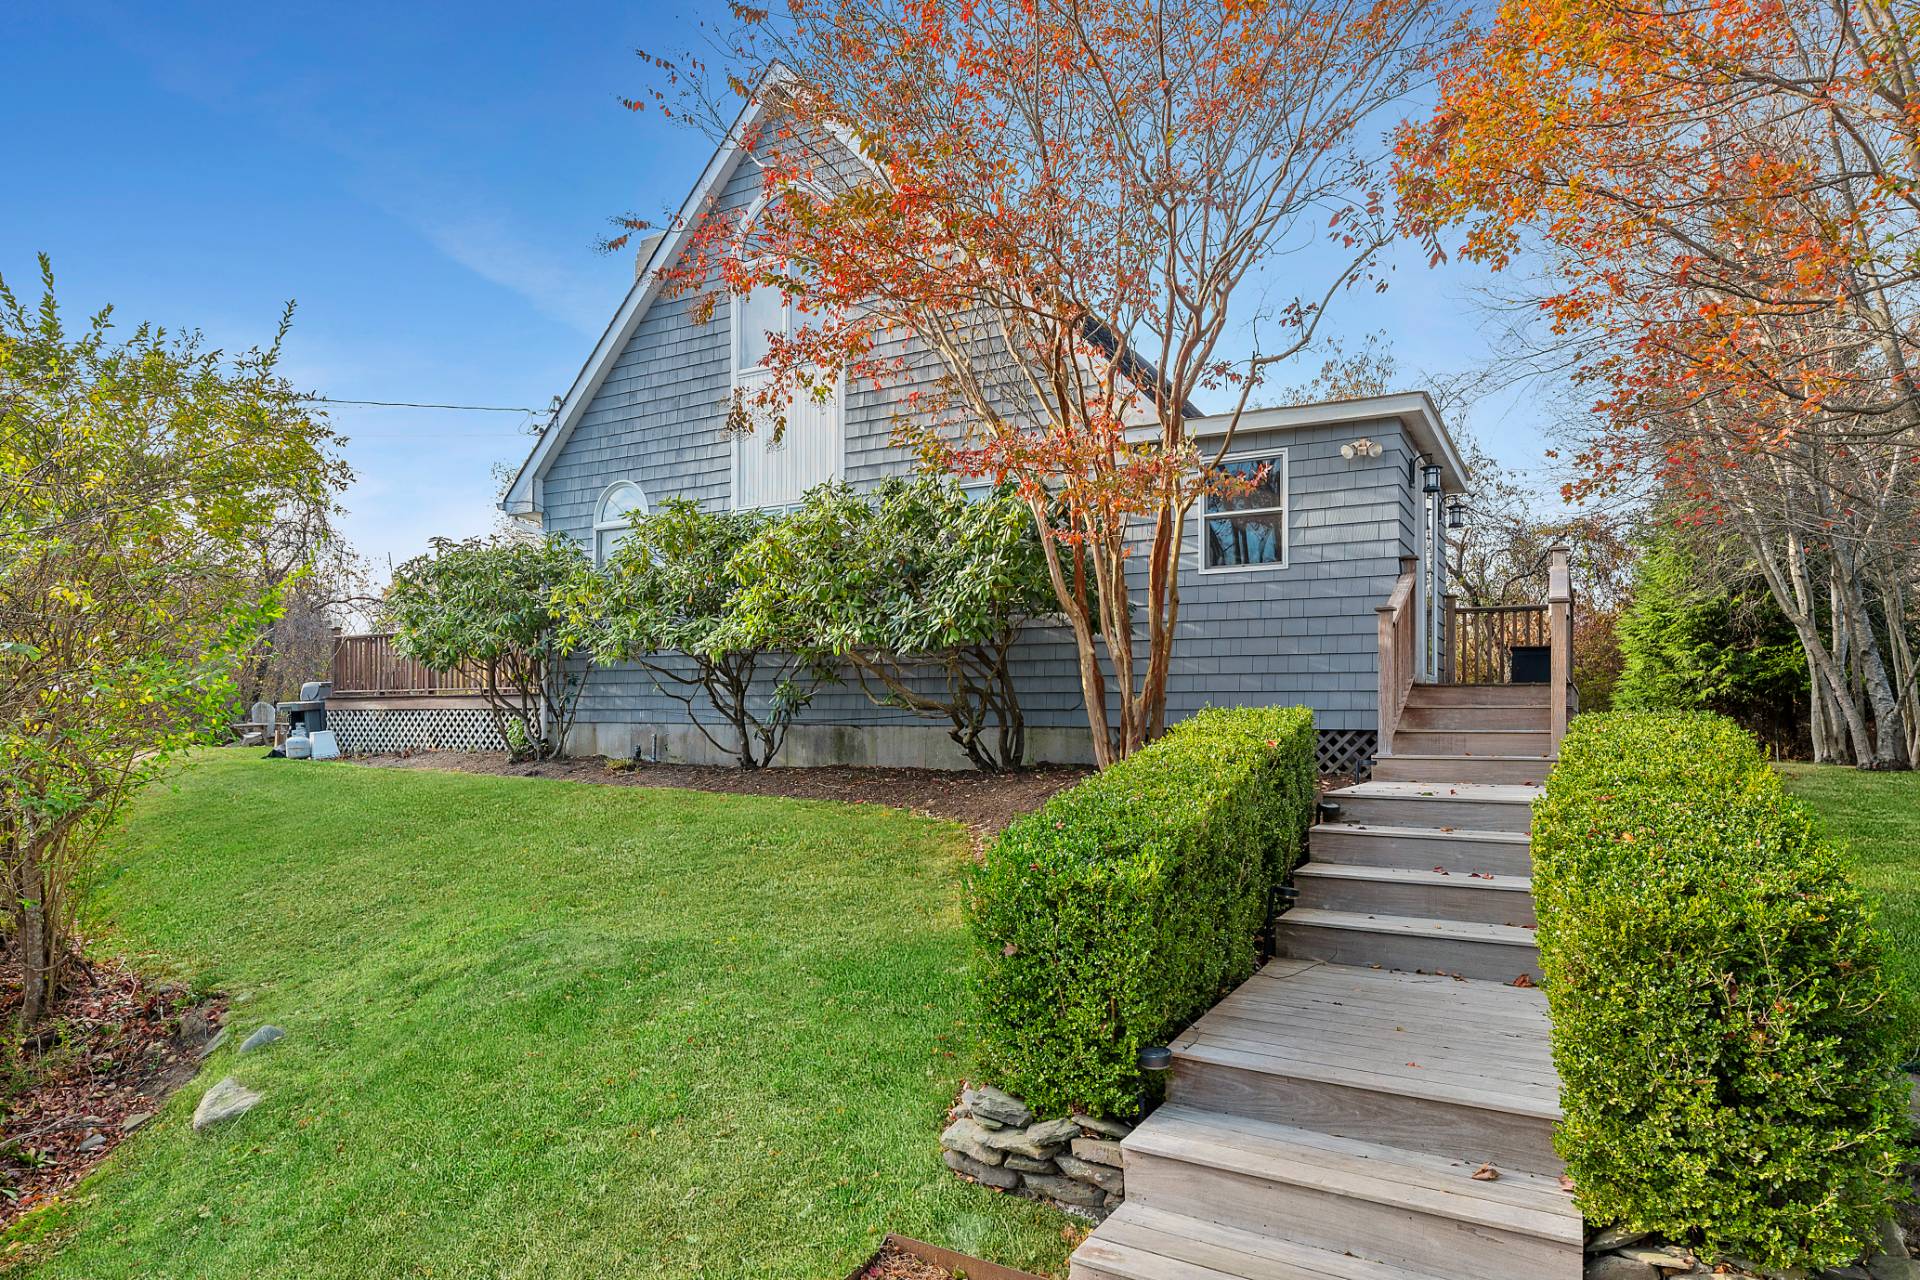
(1072, 1162)
(1618, 1253)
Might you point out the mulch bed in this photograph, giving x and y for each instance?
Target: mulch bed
(116, 1046)
(897, 1264)
(986, 802)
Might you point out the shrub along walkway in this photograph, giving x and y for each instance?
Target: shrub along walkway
(539, 1029)
(1379, 1103)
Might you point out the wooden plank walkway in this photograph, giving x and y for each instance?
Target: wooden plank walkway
(1379, 1102)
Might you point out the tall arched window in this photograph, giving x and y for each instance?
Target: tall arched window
(770, 472)
(611, 523)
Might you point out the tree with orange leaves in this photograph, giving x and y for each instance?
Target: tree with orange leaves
(1725, 199)
(1057, 224)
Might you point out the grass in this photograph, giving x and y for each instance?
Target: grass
(540, 1029)
(1876, 816)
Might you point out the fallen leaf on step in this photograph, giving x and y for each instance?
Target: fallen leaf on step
(1566, 1183)
(1486, 1173)
(1523, 980)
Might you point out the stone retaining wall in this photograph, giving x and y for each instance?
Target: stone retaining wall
(1070, 1162)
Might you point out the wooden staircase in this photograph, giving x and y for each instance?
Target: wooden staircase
(1378, 1102)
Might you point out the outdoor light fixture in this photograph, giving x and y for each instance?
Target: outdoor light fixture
(1456, 512)
(1432, 474)
(1155, 1057)
(1362, 448)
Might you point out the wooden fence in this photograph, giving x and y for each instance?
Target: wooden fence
(369, 666)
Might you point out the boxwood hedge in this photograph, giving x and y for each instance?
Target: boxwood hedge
(1128, 904)
(1725, 1035)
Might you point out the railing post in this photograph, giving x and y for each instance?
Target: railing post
(1449, 634)
(1560, 640)
(1389, 679)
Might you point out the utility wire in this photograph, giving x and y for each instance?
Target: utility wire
(413, 404)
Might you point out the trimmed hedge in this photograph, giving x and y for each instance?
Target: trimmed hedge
(1726, 1037)
(1123, 908)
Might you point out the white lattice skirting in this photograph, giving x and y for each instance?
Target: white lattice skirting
(1346, 753)
(368, 731)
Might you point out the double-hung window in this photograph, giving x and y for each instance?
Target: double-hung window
(1246, 526)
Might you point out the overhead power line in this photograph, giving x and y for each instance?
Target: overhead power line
(415, 404)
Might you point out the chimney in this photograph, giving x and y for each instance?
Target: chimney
(644, 254)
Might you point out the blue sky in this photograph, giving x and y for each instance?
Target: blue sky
(427, 182)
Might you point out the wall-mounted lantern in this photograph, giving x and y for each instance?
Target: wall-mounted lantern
(1432, 475)
(1456, 512)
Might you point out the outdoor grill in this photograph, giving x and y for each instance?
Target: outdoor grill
(308, 715)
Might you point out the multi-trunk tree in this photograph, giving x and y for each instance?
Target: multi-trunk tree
(1060, 224)
(1723, 198)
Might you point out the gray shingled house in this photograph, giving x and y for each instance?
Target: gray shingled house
(1279, 599)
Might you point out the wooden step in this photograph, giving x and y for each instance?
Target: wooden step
(1461, 851)
(1477, 695)
(1528, 771)
(1492, 952)
(1473, 742)
(1415, 891)
(1490, 715)
(1475, 806)
(1407, 1209)
(1446, 1067)
(1143, 1243)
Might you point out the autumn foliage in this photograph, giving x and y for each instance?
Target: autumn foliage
(1048, 225)
(1721, 200)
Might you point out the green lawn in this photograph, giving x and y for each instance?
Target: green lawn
(1876, 816)
(541, 1029)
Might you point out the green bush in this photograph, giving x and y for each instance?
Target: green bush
(1127, 905)
(1725, 1034)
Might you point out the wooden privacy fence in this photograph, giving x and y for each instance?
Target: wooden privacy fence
(1482, 638)
(369, 665)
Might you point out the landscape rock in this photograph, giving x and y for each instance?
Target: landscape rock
(196, 1028)
(1026, 1164)
(970, 1140)
(1097, 1150)
(92, 1142)
(1889, 1267)
(1115, 1200)
(1611, 1238)
(135, 1120)
(1067, 1191)
(1105, 1128)
(265, 1036)
(1658, 1256)
(1892, 1242)
(224, 1101)
(1100, 1175)
(206, 1050)
(1848, 1272)
(1611, 1266)
(985, 1174)
(1054, 1133)
(989, 1103)
(1036, 1142)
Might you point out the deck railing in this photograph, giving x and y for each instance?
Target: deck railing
(1481, 640)
(1399, 657)
(369, 666)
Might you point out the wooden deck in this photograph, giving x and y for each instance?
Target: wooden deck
(1379, 1102)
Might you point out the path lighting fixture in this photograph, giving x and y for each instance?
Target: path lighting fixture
(1155, 1057)
(1432, 474)
(1362, 448)
(1456, 512)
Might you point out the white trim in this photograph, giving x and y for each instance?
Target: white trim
(1414, 410)
(523, 495)
(1285, 509)
(601, 524)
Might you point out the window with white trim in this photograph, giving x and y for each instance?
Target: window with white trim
(795, 444)
(1247, 528)
(612, 518)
